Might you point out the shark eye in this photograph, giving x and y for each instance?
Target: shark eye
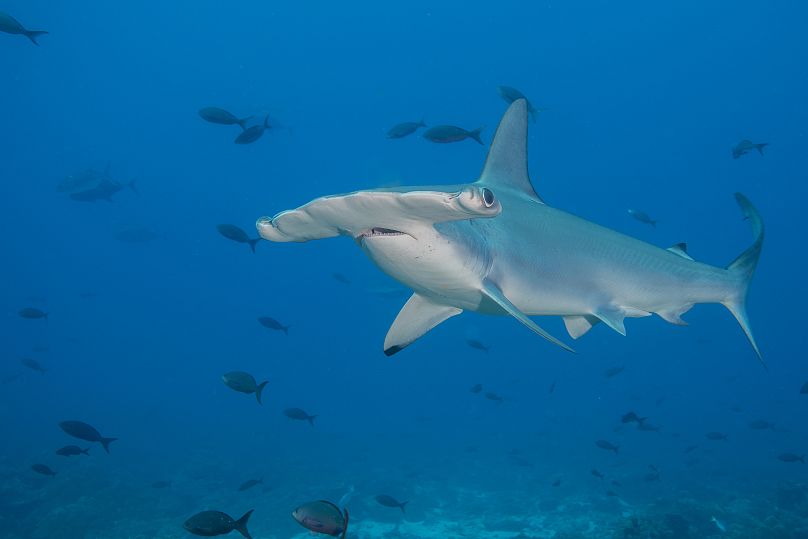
(488, 197)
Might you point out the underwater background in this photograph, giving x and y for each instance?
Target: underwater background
(148, 305)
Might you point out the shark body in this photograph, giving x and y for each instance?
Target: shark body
(493, 246)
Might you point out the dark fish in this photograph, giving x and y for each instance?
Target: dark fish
(83, 181)
(716, 436)
(10, 25)
(161, 484)
(557, 483)
(632, 417)
(761, 424)
(215, 115)
(403, 129)
(271, 323)
(804, 389)
(552, 387)
(232, 232)
(11, 378)
(611, 372)
(72, 451)
(250, 483)
(597, 473)
(389, 501)
(745, 146)
(476, 388)
(136, 235)
(477, 345)
(103, 191)
(253, 133)
(607, 445)
(44, 470)
(244, 383)
(322, 517)
(611, 494)
(33, 365)
(450, 133)
(32, 313)
(341, 278)
(647, 427)
(212, 523)
(642, 217)
(494, 397)
(83, 431)
(791, 457)
(652, 476)
(512, 94)
(299, 415)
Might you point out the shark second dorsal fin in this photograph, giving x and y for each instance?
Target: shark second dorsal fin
(681, 250)
(506, 164)
(418, 316)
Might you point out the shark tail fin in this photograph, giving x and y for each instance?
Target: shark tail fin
(476, 135)
(33, 34)
(743, 267)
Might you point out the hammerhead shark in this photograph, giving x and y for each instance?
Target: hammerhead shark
(495, 247)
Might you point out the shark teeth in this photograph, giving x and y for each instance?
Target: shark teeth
(379, 231)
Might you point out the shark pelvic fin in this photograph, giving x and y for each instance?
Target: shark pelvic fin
(492, 292)
(506, 164)
(418, 316)
(681, 250)
(577, 326)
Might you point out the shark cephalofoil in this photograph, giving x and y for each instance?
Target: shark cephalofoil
(493, 246)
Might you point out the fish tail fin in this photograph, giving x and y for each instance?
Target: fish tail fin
(242, 122)
(347, 519)
(532, 111)
(653, 223)
(133, 186)
(266, 122)
(422, 123)
(616, 449)
(311, 419)
(105, 442)
(802, 459)
(476, 134)
(259, 390)
(403, 504)
(286, 331)
(253, 243)
(761, 146)
(241, 524)
(33, 34)
(86, 451)
(743, 267)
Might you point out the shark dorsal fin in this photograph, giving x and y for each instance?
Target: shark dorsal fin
(681, 250)
(506, 164)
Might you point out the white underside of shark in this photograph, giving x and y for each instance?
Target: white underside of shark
(494, 247)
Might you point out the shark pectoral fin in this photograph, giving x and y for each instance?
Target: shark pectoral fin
(355, 213)
(681, 250)
(492, 292)
(418, 316)
(579, 325)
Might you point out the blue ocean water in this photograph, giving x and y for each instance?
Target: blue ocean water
(148, 305)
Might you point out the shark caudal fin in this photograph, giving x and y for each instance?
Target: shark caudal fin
(743, 268)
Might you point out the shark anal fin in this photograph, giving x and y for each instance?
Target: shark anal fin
(418, 316)
(681, 250)
(492, 291)
(674, 316)
(578, 325)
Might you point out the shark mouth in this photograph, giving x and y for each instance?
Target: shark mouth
(379, 231)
